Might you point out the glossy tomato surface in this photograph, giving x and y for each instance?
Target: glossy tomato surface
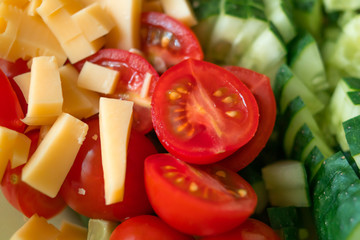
(24, 198)
(259, 85)
(146, 227)
(202, 113)
(197, 200)
(83, 188)
(251, 229)
(136, 83)
(166, 41)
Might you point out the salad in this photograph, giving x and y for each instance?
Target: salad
(183, 119)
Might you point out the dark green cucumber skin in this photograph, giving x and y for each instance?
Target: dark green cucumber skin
(302, 139)
(352, 133)
(313, 162)
(244, 8)
(304, 5)
(281, 217)
(204, 9)
(283, 76)
(296, 46)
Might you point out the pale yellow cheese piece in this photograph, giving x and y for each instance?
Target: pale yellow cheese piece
(98, 78)
(47, 168)
(115, 118)
(126, 15)
(93, 21)
(36, 228)
(17, 3)
(152, 6)
(32, 6)
(23, 81)
(78, 102)
(21, 150)
(180, 10)
(45, 95)
(71, 231)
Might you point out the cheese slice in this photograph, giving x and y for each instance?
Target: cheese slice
(47, 168)
(21, 150)
(23, 81)
(45, 96)
(36, 228)
(115, 118)
(98, 78)
(17, 3)
(180, 10)
(71, 231)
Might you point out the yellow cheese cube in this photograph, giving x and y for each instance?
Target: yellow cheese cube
(126, 15)
(21, 150)
(36, 228)
(17, 3)
(78, 102)
(32, 6)
(45, 95)
(115, 117)
(152, 6)
(23, 81)
(70, 231)
(48, 7)
(93, 21)
(98, 78)
(48, 166)
(181, 10)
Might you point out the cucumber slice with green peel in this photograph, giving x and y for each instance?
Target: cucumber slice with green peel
(282, 217)
(280, 13)
(336, 5)
(306, 62)
(313, 163)
(288, 86)
(352, 133)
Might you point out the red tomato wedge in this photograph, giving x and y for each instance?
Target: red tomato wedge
(83, 188)
(259, 85)
(251, 229)
(134, 72)
(24, 198)
(11, 112)
(202, 113)
(166, 41)
(146, 227)
(200, 199)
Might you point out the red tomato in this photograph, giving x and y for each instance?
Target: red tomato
(251, 229)
(83, 189)
(146, 227)
(202, 113)
(11, 112)
(259, 85)
(197, 200)
(133, 71)
(166, 41)
(25, 198)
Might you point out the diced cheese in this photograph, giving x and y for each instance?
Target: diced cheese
(21, 150)
(23, 81)
(47, 168)
(98, 78)
(17, 3)
(152, 6)
(45, 95)
(32, 6)
(93, 22)
(78, 102)
(126, 15)
(44, 129)
(71, 231)
(36, 228)
(115, 118)
(181, 10)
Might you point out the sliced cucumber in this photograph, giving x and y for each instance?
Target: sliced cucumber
(336, 5)
(352, 133)
(100, 229)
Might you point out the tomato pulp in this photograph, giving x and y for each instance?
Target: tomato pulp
(202, 113)
(197, 199)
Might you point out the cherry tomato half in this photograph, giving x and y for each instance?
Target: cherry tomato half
(146, 227)
(83, 188)
(134, 72)
(251, 229)
(166, 41)
(24, 198)
(259, 85)
(202, 113)
(197, 200)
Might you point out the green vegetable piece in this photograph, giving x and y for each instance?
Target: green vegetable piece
(100, 229)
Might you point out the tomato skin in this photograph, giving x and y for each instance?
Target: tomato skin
(197, 200)
(259, 85)
(11, 112)
(251, 229)
(146, 227)
(24, 198)
(132, 68)
(83, 188)
(193, 122)
(155, 49)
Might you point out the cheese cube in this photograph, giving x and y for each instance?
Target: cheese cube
(32, 6)
(17, 3)
(21, 150)
(47, 168)
(180, 10)
(115, 118)
(23, 81)
(70, 231)
(98, 78)
(152, 6)
(45, 95)
(36, 228)
(78, 102)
